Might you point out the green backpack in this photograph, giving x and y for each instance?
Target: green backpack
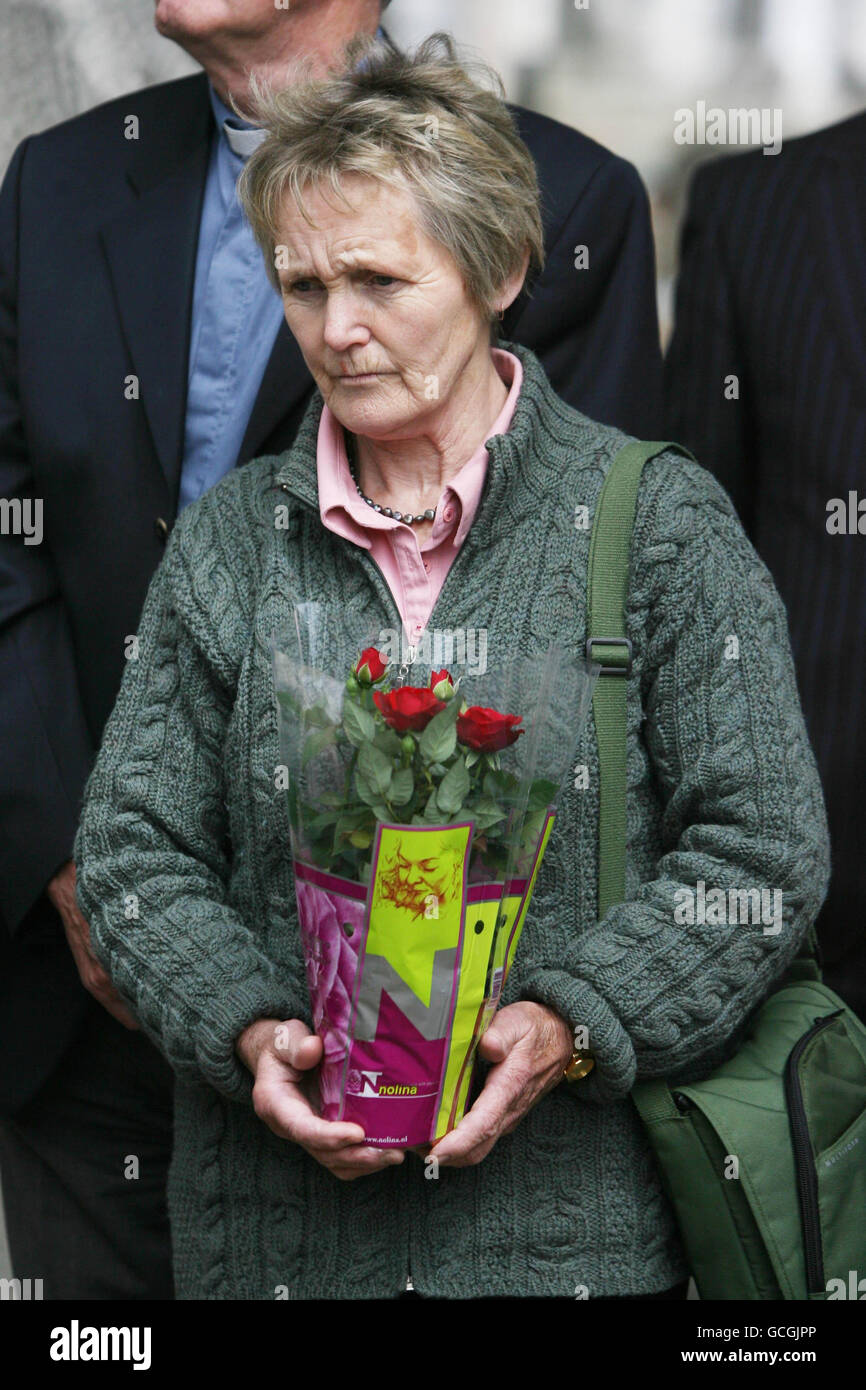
(790, 1107)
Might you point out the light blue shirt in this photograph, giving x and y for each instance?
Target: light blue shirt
(236, 315)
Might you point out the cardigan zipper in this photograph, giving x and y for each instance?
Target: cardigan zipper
(804, 1159)
(381, 587)
(387, 597)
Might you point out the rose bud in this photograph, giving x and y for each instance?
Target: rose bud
(408, 707)
(442, 685)
(486, 730)
(370, 667)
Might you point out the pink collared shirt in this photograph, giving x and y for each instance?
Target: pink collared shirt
(414, 574)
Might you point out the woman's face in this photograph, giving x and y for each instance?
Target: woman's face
(379, 310)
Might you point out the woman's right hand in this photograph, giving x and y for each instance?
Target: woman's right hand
(281, 1054)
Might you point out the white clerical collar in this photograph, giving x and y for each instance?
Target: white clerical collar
(243, 141)
(241, 136)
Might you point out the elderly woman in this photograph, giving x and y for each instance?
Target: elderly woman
(433, 484)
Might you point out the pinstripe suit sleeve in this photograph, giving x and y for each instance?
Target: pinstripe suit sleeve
(706, 351)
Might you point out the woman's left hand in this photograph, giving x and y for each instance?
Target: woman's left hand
(530, 1046)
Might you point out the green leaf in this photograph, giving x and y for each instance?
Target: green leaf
(472, 757)
(431, 813)
(494, 783)
(486, 813)
(288, 702)
(372, 797)
(376, 767)
(453, 789)
(361, 839)
(317, 824)
(402, 786)
(532, 830)
(317, 741)
(439, 739)
(541, 794)
(366, 791)
(389, 742)
(358, 723)
(379, 809)
(333, 800)
(351, 820)
(316, 717)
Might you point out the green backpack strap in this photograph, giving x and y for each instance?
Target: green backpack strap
(607, 643)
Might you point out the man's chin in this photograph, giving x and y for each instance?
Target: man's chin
(166, 24)
(172, 20)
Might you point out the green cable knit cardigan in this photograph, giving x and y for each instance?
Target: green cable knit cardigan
(184, 868)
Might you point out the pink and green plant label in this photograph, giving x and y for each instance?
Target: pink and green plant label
(405, 975)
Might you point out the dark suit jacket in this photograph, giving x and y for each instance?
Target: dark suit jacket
(772, 289)
(98, 240)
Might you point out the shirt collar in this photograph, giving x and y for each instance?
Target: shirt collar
(467, 484)
(241, 136)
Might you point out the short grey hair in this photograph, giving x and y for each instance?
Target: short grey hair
(416, 120)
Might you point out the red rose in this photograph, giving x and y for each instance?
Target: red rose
(409, 707)
(369, 667)
(486, 730)
(443, 679)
